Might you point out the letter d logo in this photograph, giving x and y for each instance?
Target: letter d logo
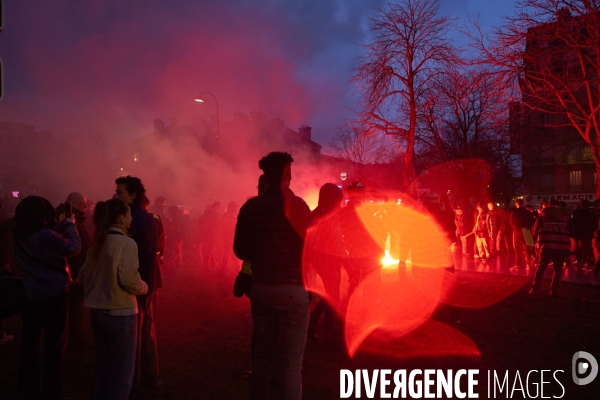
(583, 367)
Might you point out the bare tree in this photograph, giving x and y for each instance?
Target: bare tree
(548, 54)
(463, 123)
(361, 148)
(464, 119)
(407, 49)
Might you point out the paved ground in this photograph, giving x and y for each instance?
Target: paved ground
(204, 338)
(503, 263)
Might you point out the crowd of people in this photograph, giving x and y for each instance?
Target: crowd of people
(110, 257)
(549, 235)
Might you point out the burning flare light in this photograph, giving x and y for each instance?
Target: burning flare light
(388, 262)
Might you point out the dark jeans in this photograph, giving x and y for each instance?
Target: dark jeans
(557, 258)
(522, 251)
(280, 314)
(48, 316)
(115, 339)
(496, 243)
(146, 356)
(585, 247)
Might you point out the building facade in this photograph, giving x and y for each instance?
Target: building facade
(556, 161)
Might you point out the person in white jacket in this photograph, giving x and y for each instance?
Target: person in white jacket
(110, 281)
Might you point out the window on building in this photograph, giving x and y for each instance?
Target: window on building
(575, 180)
(586, 154)
(544, 119)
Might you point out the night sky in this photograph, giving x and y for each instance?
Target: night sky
(110, 67)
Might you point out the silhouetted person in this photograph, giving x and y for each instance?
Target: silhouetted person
(520, 219)
(174, 244)
(270, 234)
(228, 221)
(328, 255)
(464, 227)
(186, 232)
(42, 255)
(161, 245)
(208, 231)
(76, 309)
(159, 207)
(596, 249)
(495, 228)
(553, 232)
(584, 225)
(9, 284)
(144, 231)
(365, 251)
(481, 229)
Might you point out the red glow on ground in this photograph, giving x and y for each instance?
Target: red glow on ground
(482, 292)
(390, 303)
(431, 339)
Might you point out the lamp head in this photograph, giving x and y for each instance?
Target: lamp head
(199, 99)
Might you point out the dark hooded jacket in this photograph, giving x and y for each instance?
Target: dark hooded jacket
(41, 252)
(144, 231)
(270, 234)
(522, 218)
(585, 223)
(325, 239)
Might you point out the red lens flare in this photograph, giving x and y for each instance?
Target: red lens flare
(386, 301)
(480, 290)
(388, 282)
(431, 339)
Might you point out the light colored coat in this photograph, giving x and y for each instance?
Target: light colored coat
(113, 282)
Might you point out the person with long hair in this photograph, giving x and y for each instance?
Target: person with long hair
(111, 281)
(42, 256)
(144, 230)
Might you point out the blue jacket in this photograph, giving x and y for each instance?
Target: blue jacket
(42, 257)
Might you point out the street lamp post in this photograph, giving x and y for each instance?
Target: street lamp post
(200, 99)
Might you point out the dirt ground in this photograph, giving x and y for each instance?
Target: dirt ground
(204, 338)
